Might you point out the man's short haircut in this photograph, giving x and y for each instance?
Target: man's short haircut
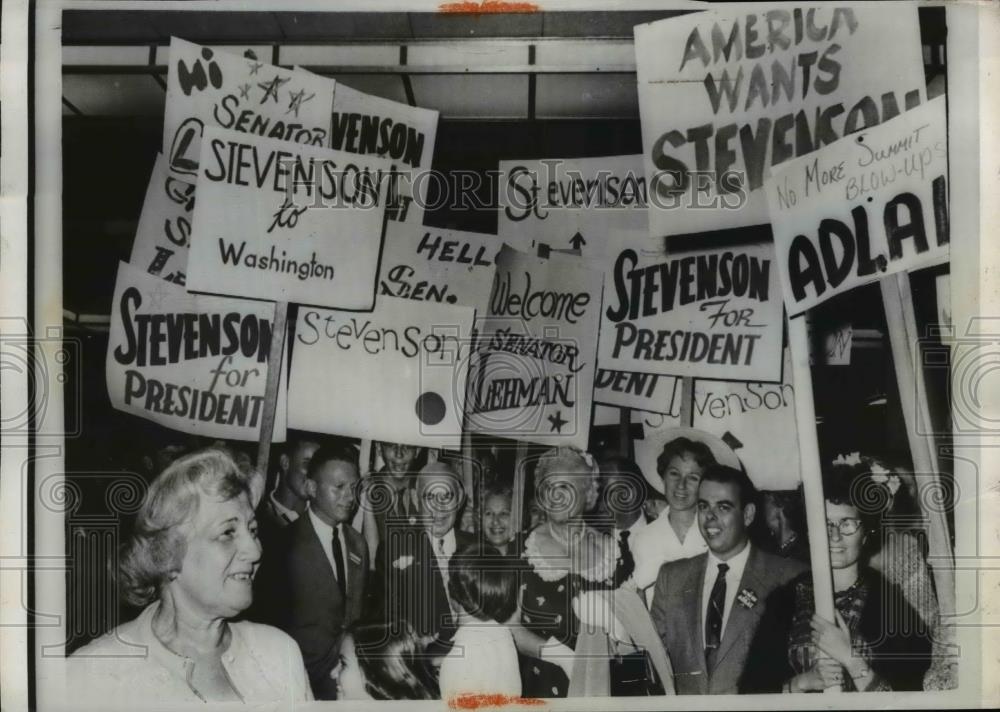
(331, 452)
(723, 474)
(684, 447)
(483, 583)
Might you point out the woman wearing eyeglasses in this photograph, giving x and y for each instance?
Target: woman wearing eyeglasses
(878, 641)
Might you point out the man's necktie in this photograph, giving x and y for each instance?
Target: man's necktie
(338, 561)
(625, 565)
(713, 617)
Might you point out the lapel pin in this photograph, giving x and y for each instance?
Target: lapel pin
(747, 598)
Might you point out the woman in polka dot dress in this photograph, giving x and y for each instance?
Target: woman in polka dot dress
(563, 557)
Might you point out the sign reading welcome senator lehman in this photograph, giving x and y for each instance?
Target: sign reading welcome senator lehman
(284, 222)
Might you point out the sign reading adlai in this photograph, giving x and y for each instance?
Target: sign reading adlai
(396, 374)
(162, 238)
(571, 203)
(287, 222)
(709, 314)
(373, 126)
(197, 364)
(206, 87)
(532, 377)
(443, 266)
(871, 204)
(726, 95)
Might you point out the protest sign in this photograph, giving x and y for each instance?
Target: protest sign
(869, 205)
(571, 203)
(532, 377)
(397, 373)
(163, 235)
(709, 314)
(651, 392)
(206, 87)
(286, 222)
(725, 95)
(403, 134)
(444, 266)
(193, 363)
(757, 420)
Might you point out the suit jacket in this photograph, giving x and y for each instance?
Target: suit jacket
(317, 614)
(413, 587)
(679, 619)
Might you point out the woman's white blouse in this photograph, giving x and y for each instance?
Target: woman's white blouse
(482, 661)
(129, 666)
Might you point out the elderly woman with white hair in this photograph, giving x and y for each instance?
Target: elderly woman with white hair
(190, 562)
(566, 561)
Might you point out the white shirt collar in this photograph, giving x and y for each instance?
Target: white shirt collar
(734, 576)
(450, 543)
(325, 533)
(289, 515)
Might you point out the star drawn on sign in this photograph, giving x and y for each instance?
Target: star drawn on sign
(255, 67)
(245, 91)
(557, 422)
(271, 88)
(297, 99)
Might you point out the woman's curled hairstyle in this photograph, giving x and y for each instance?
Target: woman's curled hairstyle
(393, 662)
(157, 545)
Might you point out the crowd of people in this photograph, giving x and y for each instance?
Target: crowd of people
(411, 583)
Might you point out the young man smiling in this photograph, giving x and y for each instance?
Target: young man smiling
(707, 608)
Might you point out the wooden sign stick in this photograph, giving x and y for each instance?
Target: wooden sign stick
(274, 367)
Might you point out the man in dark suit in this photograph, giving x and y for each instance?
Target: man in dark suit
(707, 608)
(325, 566)
(413, 560)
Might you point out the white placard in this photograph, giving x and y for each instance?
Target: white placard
(571, 203)
(403, 134)
(164, 232)
(733, 92)
(532, 377)
(255, 235)
(710, 314)
(193, 363)
(397, 373)
(206, 87)
(443, 266)
(869, 205)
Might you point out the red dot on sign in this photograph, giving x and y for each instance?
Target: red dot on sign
(430, 408)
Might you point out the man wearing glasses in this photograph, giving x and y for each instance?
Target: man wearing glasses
(413, 561)
(707, 608)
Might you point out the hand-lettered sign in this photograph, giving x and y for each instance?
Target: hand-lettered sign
(757, 420)
(869, 205)
(725, 95)
(403, 134)
(709, 314)
(397, 373)
(206, 87)
(193, 363)
(162, 238)
(651, 392)
(444, 266)
(281, 221)
(532, 376)
(571, 203)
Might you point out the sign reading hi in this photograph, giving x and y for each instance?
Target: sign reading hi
(206, 87)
